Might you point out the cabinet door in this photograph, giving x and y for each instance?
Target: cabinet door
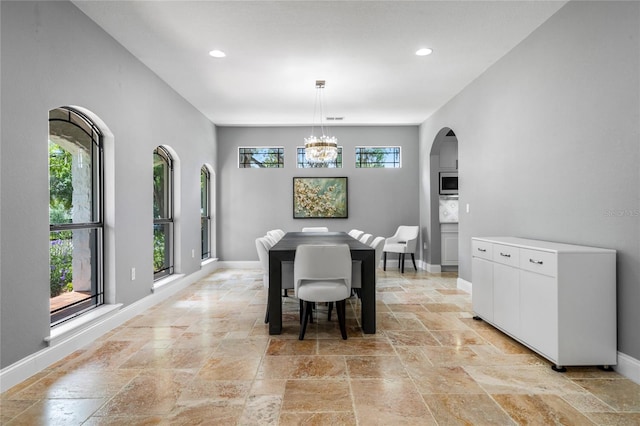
(482, 290)
(506, 298)
(449, 154)
(449, 248)
(539, 312)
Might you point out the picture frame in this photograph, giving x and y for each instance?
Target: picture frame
(320, 198)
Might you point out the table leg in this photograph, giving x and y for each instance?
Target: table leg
(275, 290)
(368, 318)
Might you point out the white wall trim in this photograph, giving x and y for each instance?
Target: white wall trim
(629, 367)
(239, 264)
(464, 285)
(72, 340)
(433, 268)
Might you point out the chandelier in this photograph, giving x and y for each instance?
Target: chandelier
(324, 148)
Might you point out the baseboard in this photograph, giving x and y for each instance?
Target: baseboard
(239, 264)
(82, 336)
(464, 285)
(433, 268)
(629, 367)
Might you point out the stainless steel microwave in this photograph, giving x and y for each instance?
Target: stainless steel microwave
(448, 183)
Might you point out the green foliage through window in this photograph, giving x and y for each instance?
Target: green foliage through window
(378, 157)
(263, 157)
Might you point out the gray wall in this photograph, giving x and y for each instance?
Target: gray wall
(549, 145)
(252, 201)
(53, 55)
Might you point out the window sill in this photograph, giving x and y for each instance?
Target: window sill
(157, 285)
(76, 325)
(208, 261)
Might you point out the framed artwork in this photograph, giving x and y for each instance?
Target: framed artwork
(320, 197)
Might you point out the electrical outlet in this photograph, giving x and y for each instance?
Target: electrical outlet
(467, 207)
(133, 274)
(193, 253)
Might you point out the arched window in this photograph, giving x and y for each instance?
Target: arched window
(205, 213)
(75, 214)
(162, 213)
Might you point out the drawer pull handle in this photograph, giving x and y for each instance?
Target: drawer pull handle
(481, 249)
(537, 262)
(505, 255)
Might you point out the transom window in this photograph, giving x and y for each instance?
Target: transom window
(205, 213)
(378, 157)
(75, 214)
(302, 162)
(162, 213)
(261, 157)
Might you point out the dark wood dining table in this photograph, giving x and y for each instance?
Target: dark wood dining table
(285, 250)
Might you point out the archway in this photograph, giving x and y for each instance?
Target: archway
(443, 158)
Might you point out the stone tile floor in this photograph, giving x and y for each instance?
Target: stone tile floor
(205, 357)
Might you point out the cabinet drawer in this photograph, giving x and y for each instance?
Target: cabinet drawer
(542, 262)
(507, 255)
(482, 249)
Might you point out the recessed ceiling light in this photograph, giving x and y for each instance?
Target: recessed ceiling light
(217, 53)
(424, 51)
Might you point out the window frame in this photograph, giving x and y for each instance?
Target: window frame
(87, 126)
(167, 222)
(395, 164)
(278, 151)
(205, 213)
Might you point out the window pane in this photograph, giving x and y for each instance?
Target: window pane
(162, 249)
(204, 192)
(378, 157)
(264, 157)
(71, 179)
(161, 186)
(73, 272)
(302, 162)
(204, 230)
(204, 213)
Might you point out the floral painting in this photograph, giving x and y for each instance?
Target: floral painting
(319, 197)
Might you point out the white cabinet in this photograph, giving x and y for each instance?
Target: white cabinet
(449, 154)
(557, 299)
(449, 244)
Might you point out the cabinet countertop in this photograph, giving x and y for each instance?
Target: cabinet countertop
(543, 245)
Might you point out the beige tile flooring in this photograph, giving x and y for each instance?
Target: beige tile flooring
(205, 357)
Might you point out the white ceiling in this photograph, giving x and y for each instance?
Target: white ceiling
(365, 51)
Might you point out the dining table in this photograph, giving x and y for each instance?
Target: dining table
(285, 250)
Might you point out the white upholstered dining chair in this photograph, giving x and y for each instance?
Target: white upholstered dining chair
(322, 273)
(355, 233)
(315, 229)
(356, 265)
(366, 238)
(402, 242)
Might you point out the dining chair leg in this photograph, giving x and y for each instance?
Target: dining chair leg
(305, 319)
(401, 260)
(266, 315)
(340, 307)
(384, 261)
(301, 303)
(413, 259)
(330, 308)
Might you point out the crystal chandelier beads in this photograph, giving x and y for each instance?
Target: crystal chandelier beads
(324, 148)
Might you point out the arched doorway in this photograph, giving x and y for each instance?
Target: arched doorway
(443, 253)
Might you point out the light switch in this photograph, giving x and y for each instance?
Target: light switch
(467, 207)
